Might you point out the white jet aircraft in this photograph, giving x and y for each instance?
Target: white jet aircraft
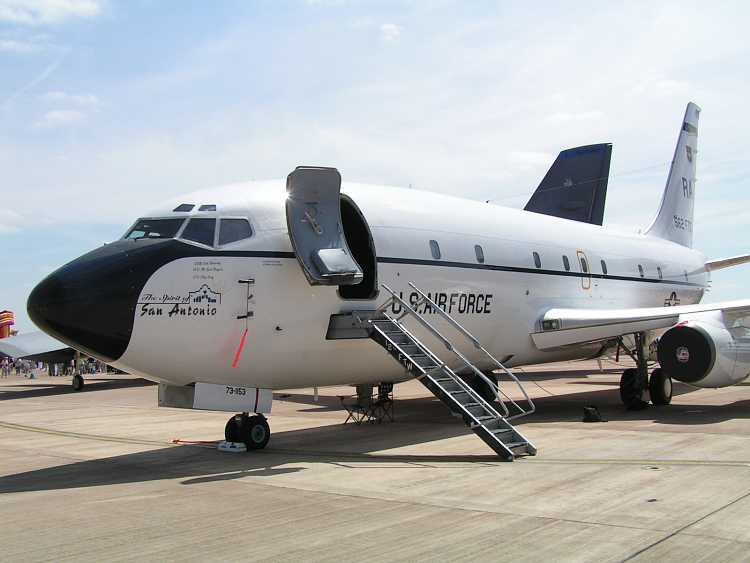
(224, 295)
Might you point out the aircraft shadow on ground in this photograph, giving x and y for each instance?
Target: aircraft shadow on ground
(569, 407)
(64, 387)
(200, 465)
(418, 420)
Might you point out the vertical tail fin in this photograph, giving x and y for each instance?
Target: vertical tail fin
(674, 221)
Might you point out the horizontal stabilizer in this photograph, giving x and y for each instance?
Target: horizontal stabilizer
(575, 186)
(714, 265)
(563, 327)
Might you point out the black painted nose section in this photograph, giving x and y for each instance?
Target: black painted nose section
(90, 302)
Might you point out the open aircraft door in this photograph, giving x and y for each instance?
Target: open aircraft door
(313, 217)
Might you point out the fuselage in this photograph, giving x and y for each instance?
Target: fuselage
(182, 307)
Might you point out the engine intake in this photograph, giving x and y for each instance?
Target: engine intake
(703, 352)
(686, 353)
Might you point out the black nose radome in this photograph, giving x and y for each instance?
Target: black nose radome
(90, 303)
(87, 304)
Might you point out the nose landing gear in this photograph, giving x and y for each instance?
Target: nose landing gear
(635, 381)
(77, 382)
(253, 431)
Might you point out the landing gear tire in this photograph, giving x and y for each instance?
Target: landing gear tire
(660, 387)
(630, 392)
(252, 430)
(77, 382)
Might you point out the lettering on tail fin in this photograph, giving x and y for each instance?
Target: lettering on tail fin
(674, 220)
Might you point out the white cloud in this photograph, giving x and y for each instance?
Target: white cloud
(80, 100)
(47, 12)
(526, 158)
(59, 118)
(10, 221)
(561, 117)
(18, 47)
(390, 32)
(326, 2)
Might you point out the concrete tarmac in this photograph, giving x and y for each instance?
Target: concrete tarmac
(95, 476)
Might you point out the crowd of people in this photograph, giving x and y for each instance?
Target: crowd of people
(10, 366)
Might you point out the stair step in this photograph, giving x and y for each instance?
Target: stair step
(511, 445)
(491, 427)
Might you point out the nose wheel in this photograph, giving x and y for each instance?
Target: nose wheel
(77, 382)
(253, 431)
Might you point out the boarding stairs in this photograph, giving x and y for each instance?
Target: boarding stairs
(489, 420)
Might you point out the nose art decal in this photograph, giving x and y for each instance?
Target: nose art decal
(202, 302)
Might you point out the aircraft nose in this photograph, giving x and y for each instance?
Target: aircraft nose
(90, 302)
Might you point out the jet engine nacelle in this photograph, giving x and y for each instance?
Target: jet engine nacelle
(701, 351)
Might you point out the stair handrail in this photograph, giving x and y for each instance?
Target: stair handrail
(442, 366)
(478, 345)
(449, 345)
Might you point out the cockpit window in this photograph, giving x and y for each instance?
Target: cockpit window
(232, 230)
(200, 230)
(184, 208)
(155, 228)
(207, 207)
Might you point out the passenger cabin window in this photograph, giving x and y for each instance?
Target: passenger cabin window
(584, 265)
(604, 267)
(480, 253)
(184, 208)
(640, 270)
(566, 263)
(537, 260)
(658, 271)
(435, 249)
(211, 207)
(232, 230)
(155, 228)
(200, 230)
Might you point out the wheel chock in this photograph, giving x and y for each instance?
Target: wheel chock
(232, 447)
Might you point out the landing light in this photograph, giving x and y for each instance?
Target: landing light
(552, 324)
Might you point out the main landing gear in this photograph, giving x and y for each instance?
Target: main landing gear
(253, 431)
(635, 381)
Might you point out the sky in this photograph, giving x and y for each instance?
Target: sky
(108, 107)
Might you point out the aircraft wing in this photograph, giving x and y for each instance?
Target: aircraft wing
(563, 327)
(727, 262)
(31, 345)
